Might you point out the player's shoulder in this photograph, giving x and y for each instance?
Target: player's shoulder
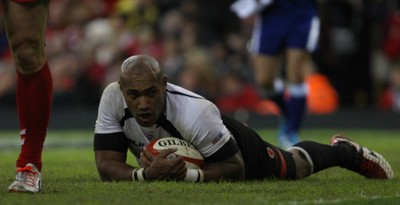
(112, 89)
(186, 106)
(112, 96)
(175, 90)
(182, 99)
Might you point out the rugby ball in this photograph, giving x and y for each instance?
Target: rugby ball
(191, 156)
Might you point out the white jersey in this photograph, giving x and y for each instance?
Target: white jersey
(187, 115)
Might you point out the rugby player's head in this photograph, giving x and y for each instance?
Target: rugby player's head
(143, 84)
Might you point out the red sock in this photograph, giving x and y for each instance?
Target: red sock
(34, 96)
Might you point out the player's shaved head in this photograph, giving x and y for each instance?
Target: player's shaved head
(139, 65)
(144, 86)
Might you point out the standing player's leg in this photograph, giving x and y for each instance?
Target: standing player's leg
(267, 70)
(26, 25)
(296, 102)
(300, 43)
(266, 49)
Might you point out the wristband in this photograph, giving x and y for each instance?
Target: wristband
(194, 175)
(139, 174)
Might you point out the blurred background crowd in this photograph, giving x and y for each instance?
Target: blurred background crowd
(204, 47)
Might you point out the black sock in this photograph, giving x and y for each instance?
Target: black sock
(326, 156)
(278, 98)
(274, 96)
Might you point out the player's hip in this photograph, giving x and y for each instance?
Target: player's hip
(272, 37)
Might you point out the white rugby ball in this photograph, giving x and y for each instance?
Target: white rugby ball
(191, 156)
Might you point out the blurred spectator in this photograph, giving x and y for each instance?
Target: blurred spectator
(198, 74)
(236, 94)
(391, 42)
(87, 39)
(146, 42)
(172, 58)
(390, 98)
(322, 97)
(345, 49)
(7, 82)
(138, 13)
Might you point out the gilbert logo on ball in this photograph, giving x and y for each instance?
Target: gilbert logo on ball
(190, 154)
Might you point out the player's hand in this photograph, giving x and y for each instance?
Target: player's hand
(162, 166)
(146, 157)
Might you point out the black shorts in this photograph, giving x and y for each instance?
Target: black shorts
(262, 159)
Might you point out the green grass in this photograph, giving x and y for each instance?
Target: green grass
(70, 177)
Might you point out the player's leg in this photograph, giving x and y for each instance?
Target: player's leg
(302, 40)
(344, 153)
(266, 47)
(296, 102)
(266, 71)
(26, 25)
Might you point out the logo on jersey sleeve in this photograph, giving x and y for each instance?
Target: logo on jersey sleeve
(215, 140)
(270, 152)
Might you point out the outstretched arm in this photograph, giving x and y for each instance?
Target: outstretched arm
(231, 169)
(112, 166)
(110, 151)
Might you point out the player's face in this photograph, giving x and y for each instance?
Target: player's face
(145, 98)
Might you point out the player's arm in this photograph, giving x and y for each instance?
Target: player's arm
(221, 153)
(110, 152)
(225, 164)
(111, 166)
(162, 167)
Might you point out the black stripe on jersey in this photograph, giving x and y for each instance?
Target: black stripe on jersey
(111, 142)
(169, 127)
(184, 94)
(127, 115)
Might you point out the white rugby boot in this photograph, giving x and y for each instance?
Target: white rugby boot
(28, 179)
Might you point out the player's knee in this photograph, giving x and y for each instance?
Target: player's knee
(28, 54)
(304, 164)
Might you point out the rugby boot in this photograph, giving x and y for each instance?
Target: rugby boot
(28, 179)
(367, 162)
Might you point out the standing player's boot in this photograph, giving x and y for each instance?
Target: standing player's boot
(279, 98)
(367, 162)
(296, 105)
(28, 179)
(283, 137)
(293, 137)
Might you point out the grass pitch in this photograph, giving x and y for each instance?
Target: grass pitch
(70, 177)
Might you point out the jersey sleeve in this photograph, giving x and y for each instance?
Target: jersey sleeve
(209, 134)
(110, 106)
